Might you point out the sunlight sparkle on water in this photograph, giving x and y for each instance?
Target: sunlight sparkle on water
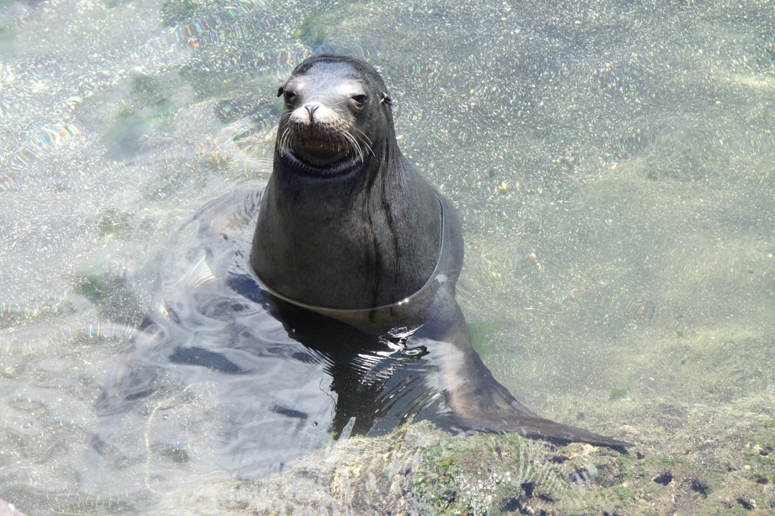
(104, 329)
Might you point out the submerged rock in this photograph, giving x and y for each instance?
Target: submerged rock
(421, 470)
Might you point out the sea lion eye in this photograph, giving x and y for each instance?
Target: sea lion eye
(359, 101)
(290, 97)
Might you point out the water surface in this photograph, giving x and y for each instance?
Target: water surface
(612, 163)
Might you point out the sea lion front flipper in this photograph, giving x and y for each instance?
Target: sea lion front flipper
(476, 399)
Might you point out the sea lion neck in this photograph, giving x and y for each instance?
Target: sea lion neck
(349, 176)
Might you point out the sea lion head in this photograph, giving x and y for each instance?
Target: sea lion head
(336, 116)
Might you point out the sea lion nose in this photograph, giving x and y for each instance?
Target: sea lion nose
(311, 110)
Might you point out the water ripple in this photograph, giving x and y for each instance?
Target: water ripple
(102, 329)
(45, 142)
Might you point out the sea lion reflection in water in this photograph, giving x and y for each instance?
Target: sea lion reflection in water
(357, 256)
(349, 230)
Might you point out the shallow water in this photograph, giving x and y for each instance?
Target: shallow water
(612, 163)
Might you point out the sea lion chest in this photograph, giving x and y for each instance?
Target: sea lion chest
(354, 243)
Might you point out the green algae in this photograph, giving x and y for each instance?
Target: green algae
(617, 394)
(310, 32)
(123, 136)
(93, 288)
(580, 479)
(481, 337)
(419, 470)
(490, 475)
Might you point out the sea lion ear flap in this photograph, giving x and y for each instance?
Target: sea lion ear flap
(280, 90)
(386, 99)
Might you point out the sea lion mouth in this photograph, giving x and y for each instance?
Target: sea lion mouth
(351, 163)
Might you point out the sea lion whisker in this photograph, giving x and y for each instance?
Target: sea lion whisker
(353, 144)
(345, 139)
(285, 140)
(290, 141)
(361, 153)
(360, 150)
(280, 138)
(357, 146)
(365, 140)
(364, 135)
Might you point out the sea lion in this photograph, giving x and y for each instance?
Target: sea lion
(349, 230)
